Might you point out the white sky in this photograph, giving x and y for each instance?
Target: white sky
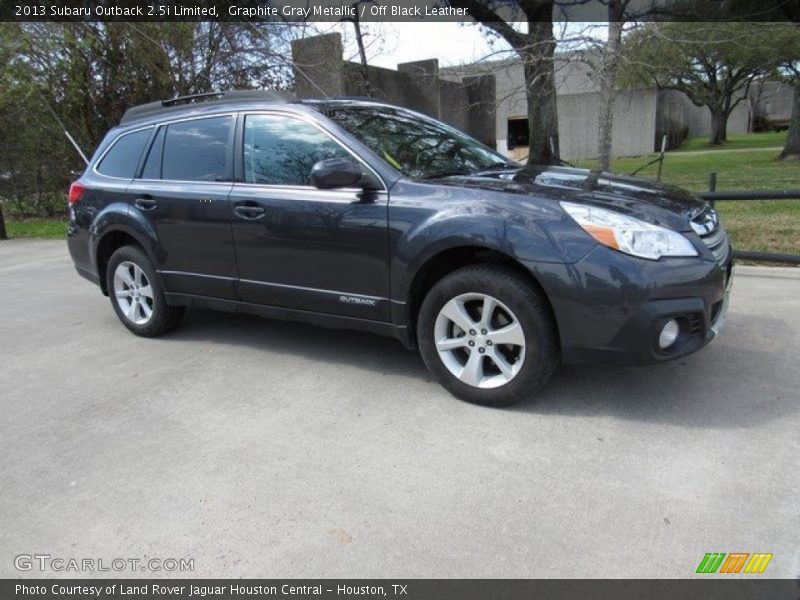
(390, 43)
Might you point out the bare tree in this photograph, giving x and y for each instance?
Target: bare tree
(609, 66)
(792, 147)
(362, 52)
(536, 48)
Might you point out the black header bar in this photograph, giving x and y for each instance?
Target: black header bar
(713, 588)
(297, 11)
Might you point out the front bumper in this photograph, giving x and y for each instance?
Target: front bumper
(611, 308)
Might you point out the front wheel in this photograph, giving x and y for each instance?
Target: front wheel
(136, 294)
(487, 335)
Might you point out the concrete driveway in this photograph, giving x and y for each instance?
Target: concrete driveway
(273, 449)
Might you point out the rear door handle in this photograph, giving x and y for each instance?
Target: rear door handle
(145, 203)
(249, 210)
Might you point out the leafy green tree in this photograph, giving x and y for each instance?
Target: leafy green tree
(714, 64)
(787, 40)
(85, 75)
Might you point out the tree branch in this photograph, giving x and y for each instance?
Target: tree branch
(484, 15)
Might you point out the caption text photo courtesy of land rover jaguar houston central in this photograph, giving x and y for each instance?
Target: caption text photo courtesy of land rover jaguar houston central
(355, 214)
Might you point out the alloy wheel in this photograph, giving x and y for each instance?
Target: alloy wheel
(479, 340)
(133, 293)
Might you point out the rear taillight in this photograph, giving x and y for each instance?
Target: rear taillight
(75, 192)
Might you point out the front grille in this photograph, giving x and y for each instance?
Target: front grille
(695, 321)
(706, 224)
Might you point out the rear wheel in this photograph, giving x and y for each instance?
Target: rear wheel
(136, 294)
(487, 336)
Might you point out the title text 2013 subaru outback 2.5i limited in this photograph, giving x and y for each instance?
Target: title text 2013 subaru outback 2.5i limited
(362, 215)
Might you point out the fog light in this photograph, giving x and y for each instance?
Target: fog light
(669, 333)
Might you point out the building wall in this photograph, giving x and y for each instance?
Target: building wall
(577, 97)
(633, 128)
(638, 114)
(772, 100)
(634, 112)
(675, 108)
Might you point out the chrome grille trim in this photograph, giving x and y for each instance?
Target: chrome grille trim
(705, 222)
(706, 225)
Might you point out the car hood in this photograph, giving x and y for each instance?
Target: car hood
(657, 203)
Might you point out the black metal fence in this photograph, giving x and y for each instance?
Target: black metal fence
(713, 196)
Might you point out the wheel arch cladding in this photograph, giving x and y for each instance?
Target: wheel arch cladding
(451, 259)
(106, 246)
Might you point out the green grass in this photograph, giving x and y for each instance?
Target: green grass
(737, 142)
(768, 225)
(49, 229)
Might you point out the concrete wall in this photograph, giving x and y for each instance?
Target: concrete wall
(572, 76)
(638, 114)
(675, 108)
(633, 130)
(320, 71)
(634, 110)
(576, 86)
(772, 100)
(318, 66)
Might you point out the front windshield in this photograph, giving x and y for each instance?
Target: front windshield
(419, 147)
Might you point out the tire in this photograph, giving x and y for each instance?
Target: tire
(136, 294)
(472, 362)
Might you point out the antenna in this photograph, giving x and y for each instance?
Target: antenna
(66, 133)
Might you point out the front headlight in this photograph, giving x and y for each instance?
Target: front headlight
(627, 234)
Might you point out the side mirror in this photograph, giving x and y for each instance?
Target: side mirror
(334, 173)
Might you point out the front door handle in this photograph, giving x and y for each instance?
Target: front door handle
(145, 203)
(249, 210)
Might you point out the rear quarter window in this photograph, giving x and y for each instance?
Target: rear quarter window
(123, 157)
(198, 150)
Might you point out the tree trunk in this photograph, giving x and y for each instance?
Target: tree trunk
(792, 147)
(540, 91)
(3, 234)
(608, 78)
(719, 127)
(362, 54)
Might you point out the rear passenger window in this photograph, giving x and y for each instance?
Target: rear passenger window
(281, 150)
(197, 150)
(123, 157)
(152, 164)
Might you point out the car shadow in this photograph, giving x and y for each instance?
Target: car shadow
(726, 385)
(745, 378)
(351, 348)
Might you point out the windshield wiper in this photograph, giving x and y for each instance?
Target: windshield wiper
(497, 166)
(446, 174)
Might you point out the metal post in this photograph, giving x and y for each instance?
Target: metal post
(712, 184)
(661, 157)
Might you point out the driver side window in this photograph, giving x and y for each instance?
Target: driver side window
(280, 150)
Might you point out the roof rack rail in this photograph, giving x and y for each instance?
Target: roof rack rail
(190, 98)
(179, 102)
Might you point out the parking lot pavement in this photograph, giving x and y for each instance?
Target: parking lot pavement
(272, 449)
